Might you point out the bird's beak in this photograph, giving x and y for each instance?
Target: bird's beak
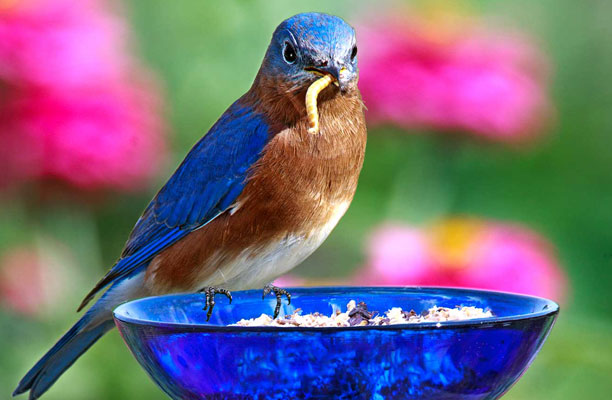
(337, 72)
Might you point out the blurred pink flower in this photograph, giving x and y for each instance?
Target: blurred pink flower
(289, 280)
(97, 138)
(29, 281)
(74, 104)
(61, 44)
(490, 83)
(465, 253)
(394, 247)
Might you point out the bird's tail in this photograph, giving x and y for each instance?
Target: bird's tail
(75, 342)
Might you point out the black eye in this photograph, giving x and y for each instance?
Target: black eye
(353, 53)
(289, 53)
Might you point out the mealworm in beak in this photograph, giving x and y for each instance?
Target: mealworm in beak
(311, 102)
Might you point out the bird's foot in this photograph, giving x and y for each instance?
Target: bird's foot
(278, 292)
(210, 293)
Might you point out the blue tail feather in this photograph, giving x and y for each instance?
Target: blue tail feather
(62, 355)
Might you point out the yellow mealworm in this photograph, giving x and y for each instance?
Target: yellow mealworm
(311, 102)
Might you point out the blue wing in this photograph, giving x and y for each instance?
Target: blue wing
(206, 184)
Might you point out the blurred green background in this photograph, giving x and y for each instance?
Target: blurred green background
(206, 54)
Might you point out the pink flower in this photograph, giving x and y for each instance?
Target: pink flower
(61, 44)
(492, 84)
(104, 137)
(289, 280)
(74, 105)
(520, 259)
(394, 247)
(465, 253)
(30, 281)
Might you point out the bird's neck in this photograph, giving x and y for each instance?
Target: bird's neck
(277, 100)
(284, 103)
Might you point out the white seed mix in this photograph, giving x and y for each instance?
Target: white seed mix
(358, 315)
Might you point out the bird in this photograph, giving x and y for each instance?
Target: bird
(253, 198)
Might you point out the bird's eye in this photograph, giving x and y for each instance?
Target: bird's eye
(353, 53)
(289, 53)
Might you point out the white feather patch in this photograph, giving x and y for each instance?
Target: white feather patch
(256, 267)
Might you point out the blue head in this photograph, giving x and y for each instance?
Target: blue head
(308, 45)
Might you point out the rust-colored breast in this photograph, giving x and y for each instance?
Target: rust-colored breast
(295, 189)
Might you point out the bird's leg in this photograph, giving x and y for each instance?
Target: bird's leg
(278, 292)
(210, 293)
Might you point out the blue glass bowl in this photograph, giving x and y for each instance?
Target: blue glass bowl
(190, 358)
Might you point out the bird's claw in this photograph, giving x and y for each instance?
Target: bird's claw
(210, 293)
(278, 292)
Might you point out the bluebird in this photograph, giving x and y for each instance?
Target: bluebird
(252, 199)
